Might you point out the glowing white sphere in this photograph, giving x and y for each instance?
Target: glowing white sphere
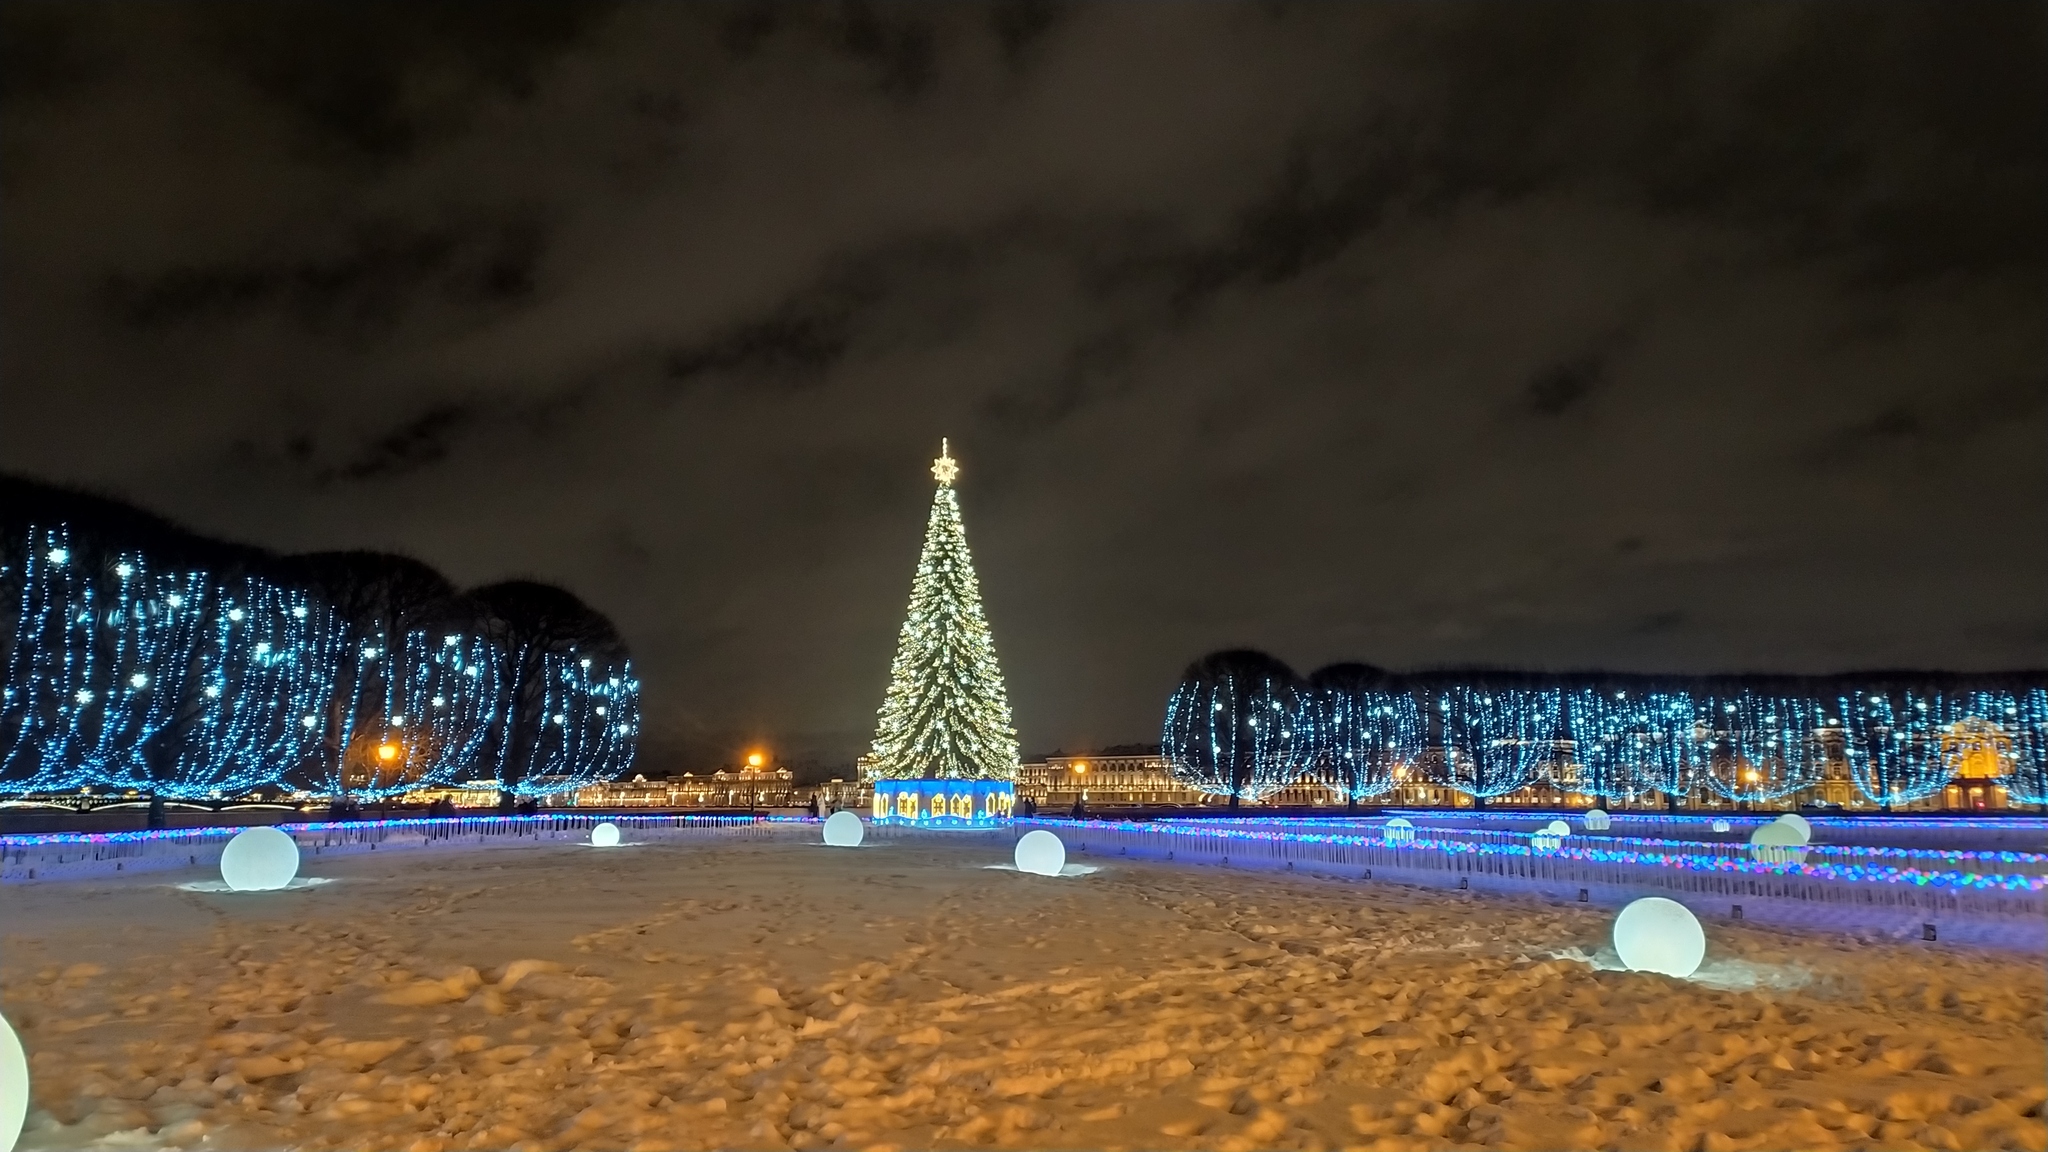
(844, 830)
(1720, 825)
(1398, 831)
(259, 860)
(1658, 935)
(605, 835)
(1776, 843)
(1557, 828)
(13, 1086)
(1798, 824)
(1041, 852)
(1597, 820)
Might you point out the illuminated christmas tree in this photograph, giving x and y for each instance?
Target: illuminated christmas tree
(946, 715)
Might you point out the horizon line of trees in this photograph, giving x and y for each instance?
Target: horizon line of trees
(139, 655)
(1242, 724)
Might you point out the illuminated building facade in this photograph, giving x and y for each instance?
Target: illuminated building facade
(743, 787)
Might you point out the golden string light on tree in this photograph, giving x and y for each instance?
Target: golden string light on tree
(946, 715)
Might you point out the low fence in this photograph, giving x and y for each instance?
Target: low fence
(76, 856)
(1679, 842)
(2013, 914)
(2018, 833)
(2007, 910)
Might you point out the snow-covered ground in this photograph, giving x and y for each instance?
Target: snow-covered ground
(772, 994)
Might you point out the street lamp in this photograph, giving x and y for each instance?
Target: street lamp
(753, 774)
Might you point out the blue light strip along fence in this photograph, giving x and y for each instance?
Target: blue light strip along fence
(69, 856)
(1995, 907)
(1684, 852)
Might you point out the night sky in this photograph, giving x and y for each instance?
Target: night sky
(1648, 336)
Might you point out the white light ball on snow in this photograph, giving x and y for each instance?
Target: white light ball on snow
(1776, 843)
(1041, 852)
(1720, 825)
(1798, 824)
(1597, 820)
(1398, 831)
(259, 860)
(605, 835)
(1654, 934)
(1557, 828)
(843, 830)
(13, 1086)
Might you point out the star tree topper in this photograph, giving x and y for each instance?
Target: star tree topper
(945, 467)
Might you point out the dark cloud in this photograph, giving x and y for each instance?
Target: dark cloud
(1021, 24)
(902, 52)
(1559, 388)
(800, 343)
(41, 55)
(420, 442)
(369, 279)
(1676, 336)
(375, 81)
(1949, 425)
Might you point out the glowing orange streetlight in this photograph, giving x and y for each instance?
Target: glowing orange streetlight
(1081, 769)
(756, 759)
(387, 751)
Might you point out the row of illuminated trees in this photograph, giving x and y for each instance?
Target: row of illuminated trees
(1242, 724)
(139, 657)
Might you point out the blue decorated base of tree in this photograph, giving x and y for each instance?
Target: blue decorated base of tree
(944, 803)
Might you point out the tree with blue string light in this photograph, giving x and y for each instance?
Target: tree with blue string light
(1498, 740)
(1757, 745)
(2020, 720)
(1629, 742)
(1239, 726)
(265, 658)
(1895, 741)
(84, 686)
(1363, 734)
(138, 657)
(568, 702)
(1896, 738)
